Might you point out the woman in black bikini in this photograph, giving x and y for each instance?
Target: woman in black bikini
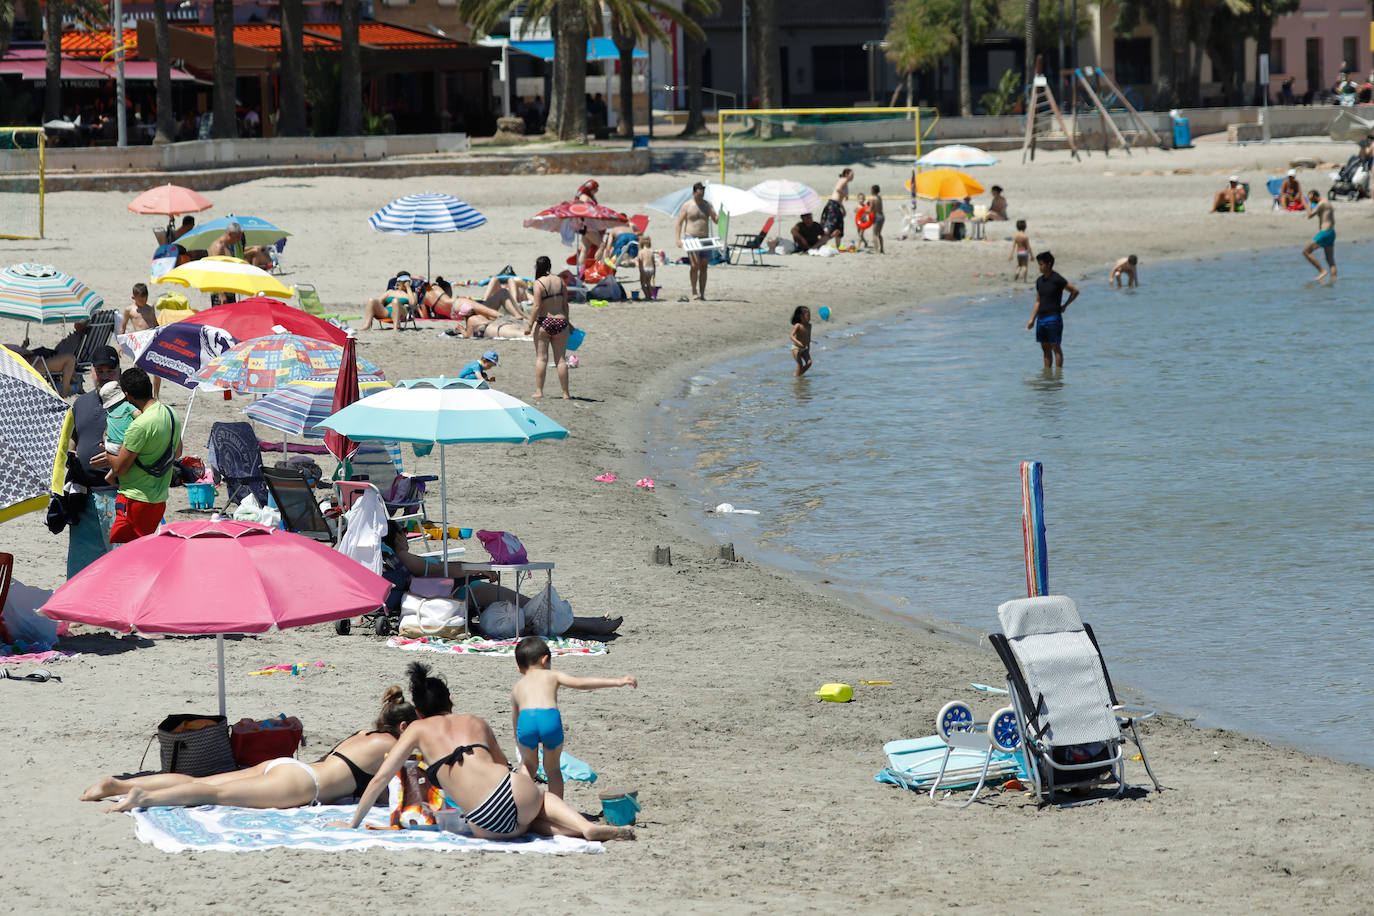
(549, 318)
(462, 752)
(282, 783)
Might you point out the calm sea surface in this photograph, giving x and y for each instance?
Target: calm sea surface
(1209, 477)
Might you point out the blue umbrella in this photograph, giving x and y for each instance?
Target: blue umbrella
(256, 231)
(425, 214)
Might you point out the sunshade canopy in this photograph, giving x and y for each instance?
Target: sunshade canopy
(945, 184)
(444, 415)
(417, 214)
(260, 316)
(597, 49)
(35, 425)
(256, 231)
(784, 197)
(261, 365)
(220, 274)
(42, 293)
(721, 196)
(956, 156)
(169, 200)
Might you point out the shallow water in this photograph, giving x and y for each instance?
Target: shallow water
(1208, 493)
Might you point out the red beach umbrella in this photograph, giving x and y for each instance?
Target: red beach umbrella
(575, 215)
(218, 577)
(169, 200)
(345, 393)
(259, 316)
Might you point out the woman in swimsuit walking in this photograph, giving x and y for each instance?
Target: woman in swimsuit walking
(549, 319)
(462, 753)
(282, 783)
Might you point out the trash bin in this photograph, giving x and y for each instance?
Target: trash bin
(1183, 137)
(641, 142)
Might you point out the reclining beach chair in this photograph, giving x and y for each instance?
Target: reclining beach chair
(234, 455)
(308, 298)
(299, 506)
(1073, 731)
(751, 245)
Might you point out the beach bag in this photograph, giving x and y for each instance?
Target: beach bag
(418, 803)
(254, 742)
(498, 620)
(546, 614)
(442, 617)
(505, 548)
(194, 745)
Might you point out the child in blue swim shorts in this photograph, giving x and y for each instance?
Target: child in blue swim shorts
(534, 707)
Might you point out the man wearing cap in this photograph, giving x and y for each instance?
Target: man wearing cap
(1290, 192)
(479, 368)
(88, 528)
(1231, 199)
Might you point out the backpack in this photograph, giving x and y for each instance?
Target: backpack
(164, 462)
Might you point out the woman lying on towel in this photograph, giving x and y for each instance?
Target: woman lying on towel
(282, 783)
(462, 753)
(439, 301)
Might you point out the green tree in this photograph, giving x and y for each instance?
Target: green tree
(924, 32)
(226, 72)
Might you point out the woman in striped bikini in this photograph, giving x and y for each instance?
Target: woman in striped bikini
(461, 751)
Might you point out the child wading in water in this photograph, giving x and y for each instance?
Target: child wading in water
(534, 706)
(801, 338)
(1021, 251)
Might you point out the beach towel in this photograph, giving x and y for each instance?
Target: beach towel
(215, 828)
(497, 648)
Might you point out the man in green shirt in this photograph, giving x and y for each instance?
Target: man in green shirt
(143, 468)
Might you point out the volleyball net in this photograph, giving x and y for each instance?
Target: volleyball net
(22, 175)
(740, 126)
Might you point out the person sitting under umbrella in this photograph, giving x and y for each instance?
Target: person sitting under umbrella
(60, 359)
(281, 783)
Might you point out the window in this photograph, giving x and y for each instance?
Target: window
(839, 68)
(1276, 65)
(1350, 53)
(1133, 61)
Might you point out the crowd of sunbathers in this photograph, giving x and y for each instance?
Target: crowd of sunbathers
(499, 801)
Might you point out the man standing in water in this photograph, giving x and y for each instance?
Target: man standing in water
(1325, 237)
(1048, 316)
(694, 221)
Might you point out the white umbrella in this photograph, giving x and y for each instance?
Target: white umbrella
(728, 198)
(783, 197)
(955, 156)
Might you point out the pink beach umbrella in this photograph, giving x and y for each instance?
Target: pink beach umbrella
(218, 577)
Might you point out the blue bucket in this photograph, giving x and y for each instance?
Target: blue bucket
(575, 338)
(641, 142)
(620, 809)
(202, 495)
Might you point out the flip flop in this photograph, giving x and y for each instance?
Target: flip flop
(37, 676)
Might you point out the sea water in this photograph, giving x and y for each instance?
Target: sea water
(1209, 477)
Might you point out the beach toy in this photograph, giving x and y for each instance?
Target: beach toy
(202, 495)
(572, 361)
(598, 303)
(575, 338)
(824, 312)
(464, 533)
(620, 808)
(645, 482)
(874, 683)
(836, 693)
(605, 478)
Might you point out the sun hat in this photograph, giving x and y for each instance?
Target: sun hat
(492, 357)
(111, 395)
(1292, 173)
(106, 356)
(1234, 179)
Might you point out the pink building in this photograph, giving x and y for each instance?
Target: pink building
(1314, 44)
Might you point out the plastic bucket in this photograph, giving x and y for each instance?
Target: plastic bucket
(202, 495)
(575, 338)
(641, 142)
(620, 808)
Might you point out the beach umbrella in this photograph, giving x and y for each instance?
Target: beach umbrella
(443, 416)
(35, 426)
(220, 274)
(945, 184)
(218, 577)
(256, 231)
(574, 216)
(732, 200)
(42, 293)
(345, 393)
(441, 381)
(426, 214)
(169, 200)
(302, 404)
(262, 364)
(956, 156)
(784, 197)
(259, 316)
(176, 351)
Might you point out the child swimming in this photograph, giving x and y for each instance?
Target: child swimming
(801, 338)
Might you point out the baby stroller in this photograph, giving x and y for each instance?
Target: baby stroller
(1352, 181)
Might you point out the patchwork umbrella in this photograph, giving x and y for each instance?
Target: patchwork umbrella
(220, 274)
(945, 184)
(442, 416)
(956, 156)
(304, 403)
(784, 197)
(426, 214)
(732, 200)
(259, 316)
(218, 577)
(35, 426)
(256, 231)
(42, 293)
(169, 200)
(260, 365)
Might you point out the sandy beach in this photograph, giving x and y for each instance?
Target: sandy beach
(756, 796)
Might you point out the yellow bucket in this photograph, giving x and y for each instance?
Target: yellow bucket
(836, 693)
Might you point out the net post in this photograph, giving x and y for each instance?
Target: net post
(720, 137)
(42, 176)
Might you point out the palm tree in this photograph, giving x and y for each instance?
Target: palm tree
(350, 70)
(291, 120)
(696, 123)
(166, 123)
(763, 20)
(226, 121)
(52, 45)
(632, 21)
(7, 9)
(965, 92)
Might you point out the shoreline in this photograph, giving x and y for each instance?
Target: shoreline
(757, 797)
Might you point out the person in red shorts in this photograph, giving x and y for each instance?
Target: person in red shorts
(143, 468)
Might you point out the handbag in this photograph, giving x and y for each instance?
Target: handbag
(442, 617)
(194, 745)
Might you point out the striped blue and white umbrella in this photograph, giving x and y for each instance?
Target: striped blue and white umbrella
(41, 293)
(299, 406)
(955, 156)
(425, 214)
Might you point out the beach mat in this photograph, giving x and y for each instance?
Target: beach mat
(215, 828)
(496, 648)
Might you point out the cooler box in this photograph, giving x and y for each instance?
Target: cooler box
(253, 742)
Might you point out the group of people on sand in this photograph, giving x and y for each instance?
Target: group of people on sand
(1231, 199)
(499, 801)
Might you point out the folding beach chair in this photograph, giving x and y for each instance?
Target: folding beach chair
(308, 298)
(299, 506)
(1073, 731)
(750, 244)
(6, 571)
(233, 453)
(404, 498)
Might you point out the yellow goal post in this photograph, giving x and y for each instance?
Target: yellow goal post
(23, 170)
(921, 126)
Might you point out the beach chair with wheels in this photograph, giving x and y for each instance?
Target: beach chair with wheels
(1073, 730)
(955, 726)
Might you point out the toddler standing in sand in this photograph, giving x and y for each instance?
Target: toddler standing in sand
(534, 707)
(647, 267)
(801, 338)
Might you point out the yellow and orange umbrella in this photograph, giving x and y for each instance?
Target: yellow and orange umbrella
(945, 184)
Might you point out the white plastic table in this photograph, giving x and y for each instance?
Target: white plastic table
(500, 568)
